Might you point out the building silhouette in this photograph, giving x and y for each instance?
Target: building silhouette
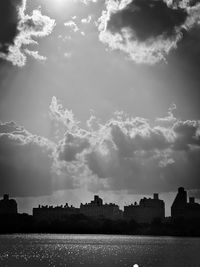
(183, 209)
(96, 209)
(99, 217)
(8, 206)
(146, 211)
(50, 213)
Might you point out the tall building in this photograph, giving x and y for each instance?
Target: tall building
(147, 210)
(183, 209)
(50, 213)
(96, 209)
(180, 202)
(8, 206)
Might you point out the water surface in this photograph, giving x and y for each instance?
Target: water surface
(98, 250)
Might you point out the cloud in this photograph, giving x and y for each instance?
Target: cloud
(147, 30)
(188, 133)
(18, 30)
(35, 55)
(123, 154)
(87, 19)
(170, 118)
(25, 162)
(72, 25)
(71, 146)
(9, 19)
(32, 165)
(132, 154)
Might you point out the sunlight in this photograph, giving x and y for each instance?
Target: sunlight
(58, 4)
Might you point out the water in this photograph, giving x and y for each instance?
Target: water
(98, 250)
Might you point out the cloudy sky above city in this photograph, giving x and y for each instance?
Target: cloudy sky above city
(99, 97)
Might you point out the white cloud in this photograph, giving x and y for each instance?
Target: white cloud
(72, 25)
(35, 55)
(28, 28)
(87, 20)
(129, 153)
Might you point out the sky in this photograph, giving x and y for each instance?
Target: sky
(99, 97)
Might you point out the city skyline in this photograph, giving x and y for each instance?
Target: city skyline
(167, 212)
(97, 217)
(62, 199)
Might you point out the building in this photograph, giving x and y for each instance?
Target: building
(8, 206)
(147, 210)
(183, 209)
(50, 213)
(97, 209)
(179, 205)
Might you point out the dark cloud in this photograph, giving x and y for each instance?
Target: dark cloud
(148, 19)
(147, 29)
(188, 133)
(9, 20)
(127, 145)
(147, 162)
(193, 2)
(72, 145)
(18, 30)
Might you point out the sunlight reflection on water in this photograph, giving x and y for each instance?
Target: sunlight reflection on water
(98, 250)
